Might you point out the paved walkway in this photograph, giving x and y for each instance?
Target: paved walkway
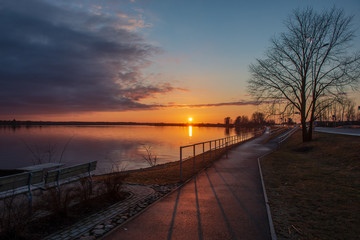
(225, 201)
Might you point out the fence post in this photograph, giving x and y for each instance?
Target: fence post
(203, 152)
(194, 155)
(227, 146)
(215, 146)
(210, 150)
(181, 177)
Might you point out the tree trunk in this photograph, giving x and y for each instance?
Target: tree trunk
(307, 132)
(310, 131)
(305, 136)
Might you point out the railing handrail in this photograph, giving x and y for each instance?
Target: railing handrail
(199, 143)
(288, 134)
(223, 143)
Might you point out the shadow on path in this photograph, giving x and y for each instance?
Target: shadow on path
(225, 201)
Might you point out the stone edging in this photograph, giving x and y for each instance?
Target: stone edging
(100, 223)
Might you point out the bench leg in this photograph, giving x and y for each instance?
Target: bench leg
(90, 185)
(29, 197)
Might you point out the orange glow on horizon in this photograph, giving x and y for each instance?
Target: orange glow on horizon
(202, 115)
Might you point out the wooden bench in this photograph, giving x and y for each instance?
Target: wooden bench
(21, 183)
(26, 182)
(44, 166)
(64, 175)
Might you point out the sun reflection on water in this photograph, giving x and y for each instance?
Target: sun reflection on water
(190, 131)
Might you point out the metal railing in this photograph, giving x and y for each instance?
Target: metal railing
(212, 147)
(287, 134)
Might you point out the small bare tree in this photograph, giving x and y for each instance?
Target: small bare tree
(48, 154)
(307, 64)
(150, 157)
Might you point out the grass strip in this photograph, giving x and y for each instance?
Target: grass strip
(314, 187)
(169, 173)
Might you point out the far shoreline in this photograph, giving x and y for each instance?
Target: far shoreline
(15, 123)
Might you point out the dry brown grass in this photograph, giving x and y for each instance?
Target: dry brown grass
(170, 173)
(314, 188)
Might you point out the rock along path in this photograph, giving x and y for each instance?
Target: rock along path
(138, 194)
(225, 201)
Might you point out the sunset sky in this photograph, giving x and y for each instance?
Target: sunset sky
(138, 60)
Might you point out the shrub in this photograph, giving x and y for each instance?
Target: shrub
(14, 216)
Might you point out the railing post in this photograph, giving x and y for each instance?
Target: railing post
(194, 155)
(203, 152)
(181, 177)
(210, 149)
(226, 146)
(215, 146)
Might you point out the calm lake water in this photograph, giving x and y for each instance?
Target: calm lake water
(114, 147)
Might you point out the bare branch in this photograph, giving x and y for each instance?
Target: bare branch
(308, 63)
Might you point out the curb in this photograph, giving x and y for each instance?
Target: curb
(271, 224)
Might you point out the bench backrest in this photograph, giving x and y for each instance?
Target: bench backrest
(68, 172)
(20, 180)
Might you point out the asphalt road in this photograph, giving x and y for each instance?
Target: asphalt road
(344, 131)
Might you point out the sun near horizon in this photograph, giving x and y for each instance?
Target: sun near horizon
(190, 119)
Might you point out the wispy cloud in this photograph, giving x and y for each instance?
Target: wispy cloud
(207, 105)
(240, 103)
(59, 59)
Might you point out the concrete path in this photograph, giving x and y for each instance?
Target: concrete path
(225, 201)
(344, 131)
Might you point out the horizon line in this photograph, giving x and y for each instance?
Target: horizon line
(39, 122)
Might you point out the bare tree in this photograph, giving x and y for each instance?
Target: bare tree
(307, 64)
(258, 118)
(343, 109)
(150, 157)
(242, 122)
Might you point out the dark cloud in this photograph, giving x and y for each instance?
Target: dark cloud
(58, 59)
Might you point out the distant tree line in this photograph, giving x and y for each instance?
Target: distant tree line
(343, 109)
(257, 119)
(340, 112)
